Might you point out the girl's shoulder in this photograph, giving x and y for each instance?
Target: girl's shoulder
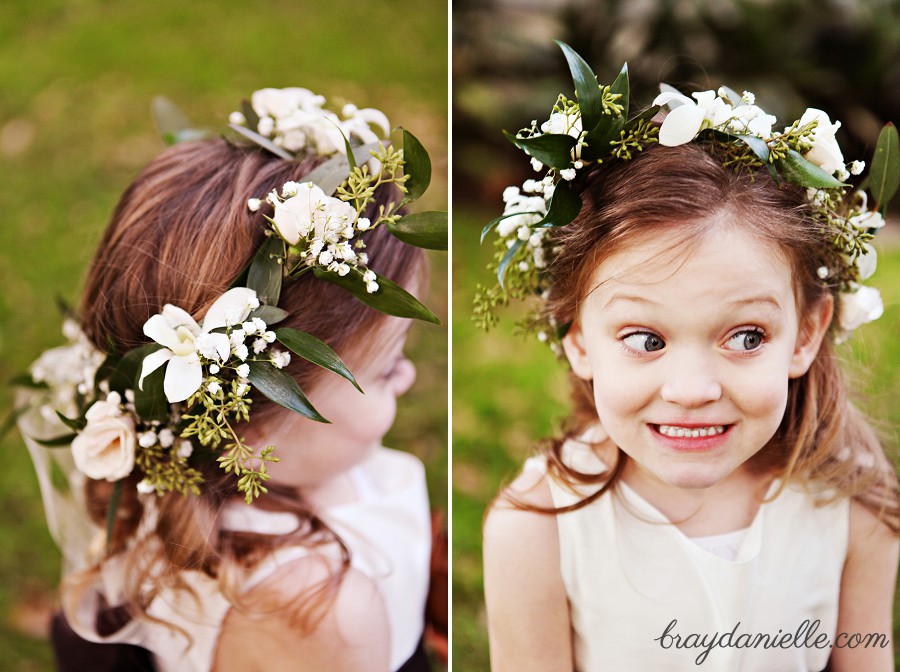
(346, 628)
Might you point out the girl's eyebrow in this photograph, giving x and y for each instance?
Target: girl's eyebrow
(634, 298)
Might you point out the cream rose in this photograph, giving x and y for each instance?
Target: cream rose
(105, 448)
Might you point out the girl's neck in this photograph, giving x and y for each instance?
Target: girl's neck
(729, 505)
(337, 491)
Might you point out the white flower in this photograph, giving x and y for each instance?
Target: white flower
(266, 126)
(867, 262)
(343, 269)
(859, 307)
(253, 204)
(363, 223)
(867, 220)
(243, 370)
(822, 272)
(259, 345)
(214, 387)
(259, 324)
(178, 332)
(825, 151)
(281, 359)
(105, 447)
(145, 487)
(537, 165)
(857, 167)
(237, 336)
(524, 233)
(684, 122)
(289, 189)
(371, 287)
(567, 174)
(268, 336)
(311, 210)
(326, 258)
(241, 389)
(185, 448)
(214, 368)
(523, 266)
(241, 352)
(166, 437)
(363, 258)
(511, 194)
(237, 119)
(147, 439)
(564, 123)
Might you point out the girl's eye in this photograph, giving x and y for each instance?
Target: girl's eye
(745, 341)
(644, 341)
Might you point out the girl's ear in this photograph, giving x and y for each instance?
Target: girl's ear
(813, 327)
(573, 345)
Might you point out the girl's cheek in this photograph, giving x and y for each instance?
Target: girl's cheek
(404, 377)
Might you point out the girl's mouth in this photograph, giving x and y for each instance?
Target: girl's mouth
(690, 432)
(693, 438)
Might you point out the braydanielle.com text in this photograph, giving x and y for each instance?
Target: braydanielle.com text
(805, 636)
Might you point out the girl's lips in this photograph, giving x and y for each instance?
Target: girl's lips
(691, 437)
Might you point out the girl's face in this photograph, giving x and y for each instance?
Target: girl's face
(690, 352)
(312, 453)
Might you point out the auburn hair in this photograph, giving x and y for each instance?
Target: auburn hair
(180, 234)
(823, 442)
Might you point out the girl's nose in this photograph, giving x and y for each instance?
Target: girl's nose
(404, 377)
(691, 383)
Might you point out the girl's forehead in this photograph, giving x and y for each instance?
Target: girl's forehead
(710, 260)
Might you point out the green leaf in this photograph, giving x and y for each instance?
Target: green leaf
(586, 88)
(57, 441)
(335, 171)
(127, 370)
(733, 96)
(250, 115)
(150, 403)
(564, 206)
(551, 149)
(797, 170)
(280, 387)
(314, 350)
(264, 276)
(269, 314)
(598, 143)
(504, 263)
(169, 119)
(622, 86)
(885, 173)
(76, 424)
(25, 380)
(106, 370)
(761, 149)
(422, 229)
(390, 298)
(491, 224)
(416, 165)
(11, 419)
(112, 509)
(185, 135)
(263, 142)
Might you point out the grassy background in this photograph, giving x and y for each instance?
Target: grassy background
(76, 80)
(508, 392)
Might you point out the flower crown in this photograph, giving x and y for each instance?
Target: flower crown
(165, 405)
(595, 128)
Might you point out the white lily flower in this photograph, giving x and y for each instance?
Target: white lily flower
(179, 333)
(311, 209)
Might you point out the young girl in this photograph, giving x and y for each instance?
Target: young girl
(716, 501)
(202, 345)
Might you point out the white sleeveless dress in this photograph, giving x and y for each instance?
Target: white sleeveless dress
(387, 531)
(629, 574)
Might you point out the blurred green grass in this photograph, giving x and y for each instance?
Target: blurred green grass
(76, 80)
(508, 392)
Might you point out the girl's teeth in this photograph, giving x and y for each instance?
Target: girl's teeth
(691, 433)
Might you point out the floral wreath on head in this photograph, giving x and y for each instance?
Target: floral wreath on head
(596, 128)
(163, 406)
